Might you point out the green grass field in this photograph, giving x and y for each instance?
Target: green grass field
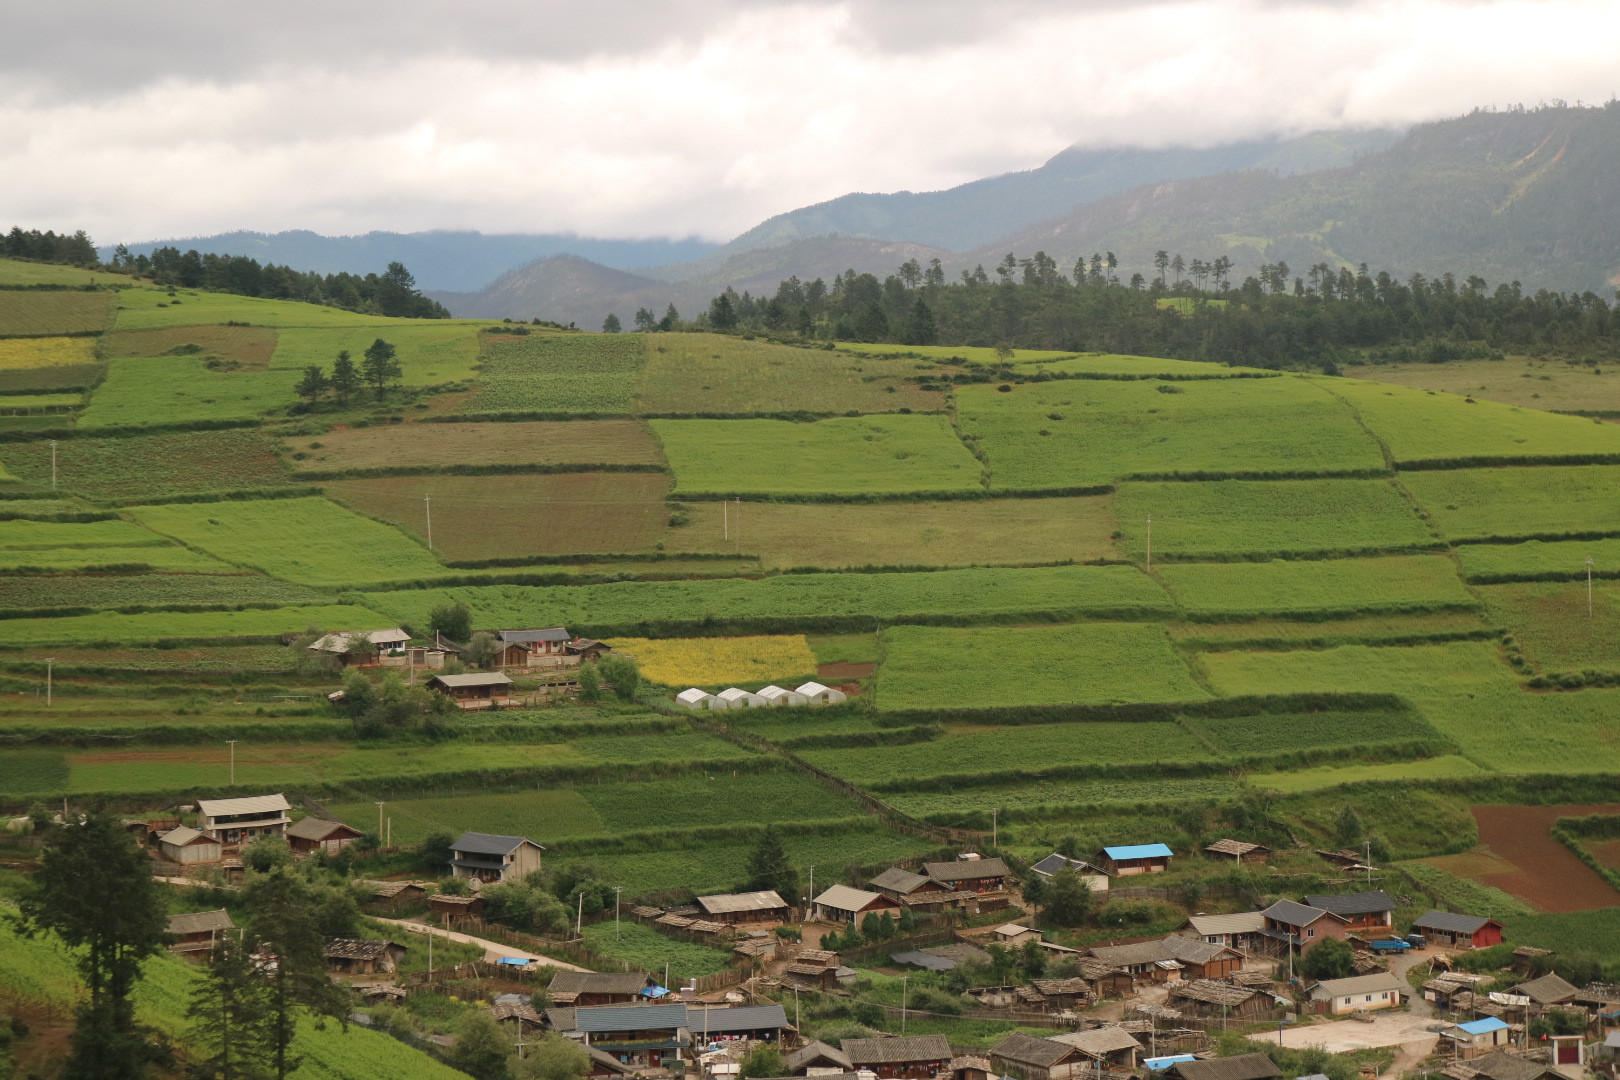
(950, 807)
(505, 517)
(928, 667)
(953, 533)
(42, 314)
(41, 535)
(1252, 736)
(41, 591)
(1244, 517)
(152, 466)
(23, 272)
(156, 626)
(1060, 591)
(247, 346)
(576, 442)
(174, 389)
(1419, 425)
(1549, 621)
(1145, 366)
(310, 540)
(1566, 557)
(975, 354)
(148, 308)
(1065, 434)
(1533, 384)
(558, 373)
(645, 948)
(1444, 767)
(170, 558)
(846, 456)
(1352, 586)
(715, 373)
(1549, 500)
(429, 352)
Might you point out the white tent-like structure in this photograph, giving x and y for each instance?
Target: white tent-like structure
(777, 695)
(740, 699)
(698, 699)
(816, 694)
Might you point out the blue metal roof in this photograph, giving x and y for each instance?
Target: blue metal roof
(1483, 1027)
(1139, 851)
(1155, 1064)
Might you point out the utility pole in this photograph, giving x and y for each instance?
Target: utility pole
(232, 744)
(579, 917)
(430, 954)
(53, 464)
(50, 662)
(1589, 586)
(810, 900)
(1150, 542)
(725, 519)
(379, 823)
(616, 891)
(389, 841)
(796, 1007)
(736, 534)
(904, 986)
(1369, 861)
(995, 828)
(427, 508)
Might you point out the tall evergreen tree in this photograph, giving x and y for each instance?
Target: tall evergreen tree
(345, 378)
(313, 384)
(283, 924)
(611, 324)
(768, 866)
(230, 1014)
(379, 367)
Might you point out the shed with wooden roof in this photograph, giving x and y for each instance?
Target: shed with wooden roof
(763, 906)
(1239, 851)
(904, 1057)
(309, 835)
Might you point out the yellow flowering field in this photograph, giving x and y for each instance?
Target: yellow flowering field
(713, 661)
(46, 352)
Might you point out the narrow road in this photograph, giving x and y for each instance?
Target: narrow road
(493, 950)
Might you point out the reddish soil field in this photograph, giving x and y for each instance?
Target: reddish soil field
(1548, 875)
(845, 669)
(1606, 852)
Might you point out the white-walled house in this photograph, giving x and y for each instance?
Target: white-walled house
(740, 699)
(694, 698)
(817, 694)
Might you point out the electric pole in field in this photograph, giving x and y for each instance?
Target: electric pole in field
(725, 519)
(616, 890)
(1150, 542)
(50, 662)
(53, 464)
(232, 744)
(379, 823)
(427, 508)
(1589, 586)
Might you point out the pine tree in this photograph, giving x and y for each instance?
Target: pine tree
(230, 1010)
(768, 867)
(379, 367)
(1348, 829)
(313, 384)
(1068, 898)
(345, 379)
(611, 324)
(283, 922)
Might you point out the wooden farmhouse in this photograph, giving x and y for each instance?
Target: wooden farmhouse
(1203, 959)
(1359, 993)
(347, 646)
(1209, 999)
(312, 834)
(906, 1057)
(842, 904)
(970, 873)
(354, 956)
(757, 1023)
(1095, 878)
(817, 1059)
(1240, 930)
(1550, 989)
(545, 648)
(1363, 912)
(1458, 931)
(490, 857)
(188, 847)
(393, 895)
(1145, 961)
(1299, 926)
(1135, 859)
(641, 1036)
(1239, 851)
(1108, 1048)
(196, 933)
(817, 694)
(453, 909)
(473, 689)
(588, 988)
(239, 821)
(1013, 936)
(921, 892)
(1239, 1067)
(753, 907)
(1502, 1065)
(1030, 1058)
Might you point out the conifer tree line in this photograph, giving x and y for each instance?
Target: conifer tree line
(392, 293)
(1189, 309)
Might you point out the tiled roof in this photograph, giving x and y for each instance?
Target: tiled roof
(1360, 984)
(1360, 903)
(845, 898)
(966, 869)
(736, 1018)
(727, 903)
(477, 843)
(1030, 1050)
(903, 1048)
(201, 922)
(610, 1018)
(314, 828)
(1287, 911)
(1242, 922)
(1450, 922)
(901, 881)
(1241, 1067)
(1099, 1041)
(253, 804)
(1547, 990)
(815, 1051)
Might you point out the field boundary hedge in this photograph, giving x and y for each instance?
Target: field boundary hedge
(383, 472)
(1530, 576)
(956, 495)
(58, 571)
(1492, 461)
(1552, 538)
(596, 557)
(1484, 633)
(125, 431)
(1213, 709)
(1570, 831)
(79, 517)
(1319, 615)
(239, 495)
(138, 609)
(1303, 554)
(1262, 474)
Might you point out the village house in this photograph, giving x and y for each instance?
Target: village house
(533, 648)
(1135, 859)
(196, 933)
(1062, 995)
(312, 834)
(1502, 1065)
(1111, 1048)
(515, 1010)
(1145, 961)
(780, 695)
(473, 689)
(1298, 926)
(698, 700)
(353, 956)
(452, 909)
(1479, 1037)
(905, 1057)
(1103, 978)
(641, 1036)
(970, 873)
(1458, 931)
(1239, 851)
(817, 1059)
(1203, 959)
(188, 847)
(1013, 936)
(758, 1023)
(1359, 993)
(1209, 999)
(490, 857)
(588, 988)
(1238, 1067)
(346, 645)
(1095, 878)
(393, 895)
(238, 821)
(842, 904)
(815, 968)
(740, 699)
(817, 694)
(1030, 1058)
(1239, 931)
(920, 892)
(761, 907)
(1363, 912)
(1550, 989)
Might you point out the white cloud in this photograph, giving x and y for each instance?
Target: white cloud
(723, 114)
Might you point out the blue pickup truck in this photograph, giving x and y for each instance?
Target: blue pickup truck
(1389, 945)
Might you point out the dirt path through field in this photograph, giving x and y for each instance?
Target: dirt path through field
(1548, 875)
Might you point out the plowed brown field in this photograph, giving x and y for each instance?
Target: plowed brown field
(1547, 875)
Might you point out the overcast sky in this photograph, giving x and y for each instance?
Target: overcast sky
(696, 117)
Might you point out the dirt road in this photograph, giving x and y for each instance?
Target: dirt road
(1341, 1036)
(493, 950)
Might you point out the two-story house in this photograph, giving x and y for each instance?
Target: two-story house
(1299, 926)
(1364, 912)
(238, 821)
(489, 857)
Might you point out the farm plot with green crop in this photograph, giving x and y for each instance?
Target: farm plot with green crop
(952, 533)
(505, 517)
(1039, 797)
(927, 667)
(162, 625)
(1551, 623)
(178, 389)
(553, 813)
(23, 403)
(1030, 749)
(533, 442)
(146, 309)
(715, 373)
(1322, 777)
(245, 346)
(643, 948)
(1252, 517)
(1488, 563)
(152, 466)
(114, 591)
(1423, 426)
(1088, 432)
(429, 352)
(46, 314)
(171, 558)
(1548, 501)
(558, 373)
(856, 455)
(792, 601)
(1462, 688)
(41, 535)
(1347, 586)
(1396, 628)
(1274, 733)
(309, 540)
(1112, 364)
(23, 272)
